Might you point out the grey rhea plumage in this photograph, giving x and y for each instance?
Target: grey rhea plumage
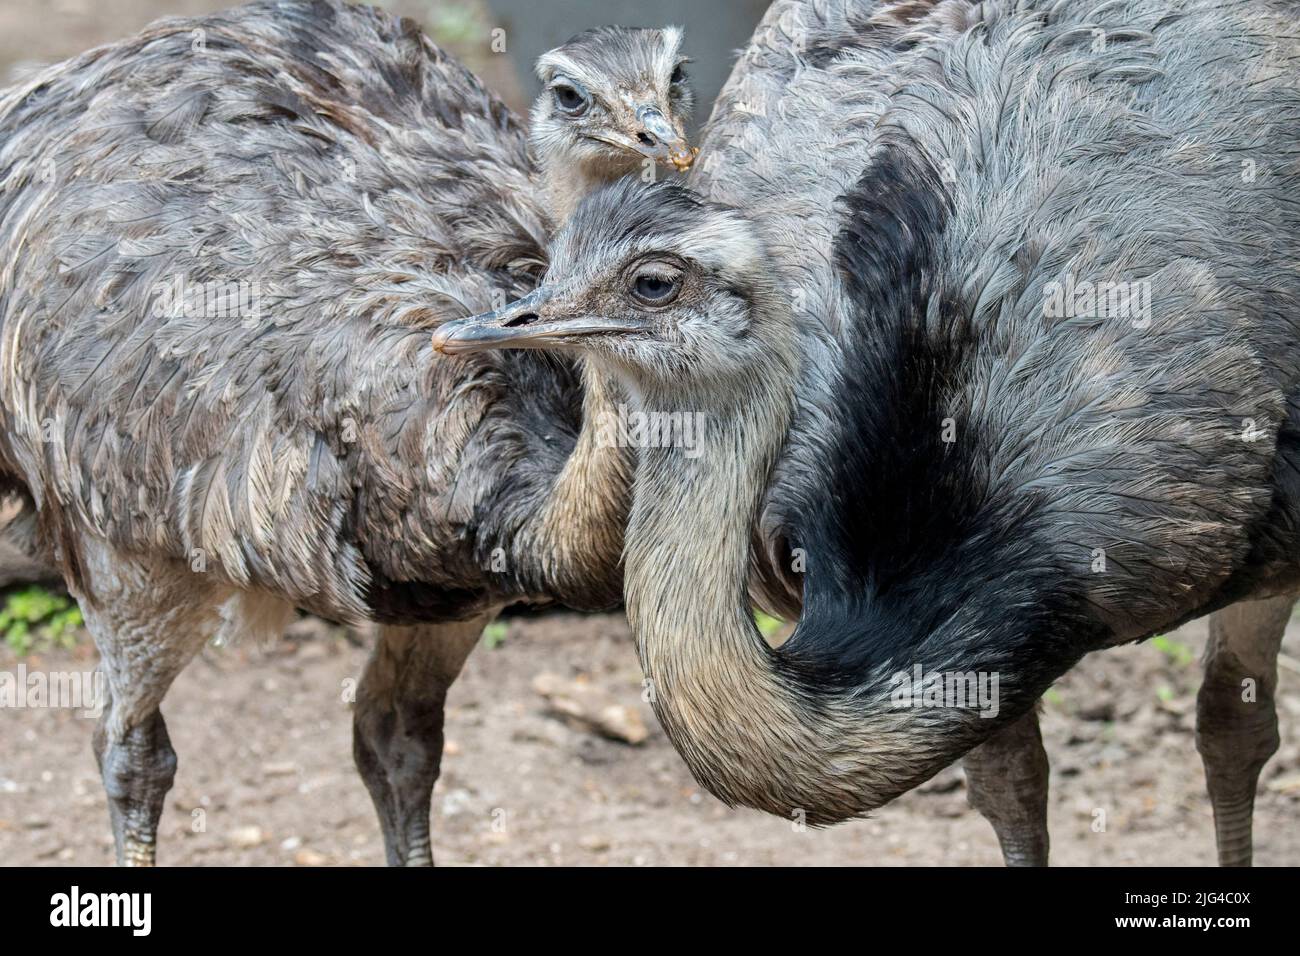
(1107, 476)
(223, 245)
(245, 431)
(895, 69)
(988, 469)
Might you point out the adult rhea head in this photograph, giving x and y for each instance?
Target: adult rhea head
(663, 289)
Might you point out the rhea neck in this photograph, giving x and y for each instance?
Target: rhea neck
(568, 176)
(574, 540)
(759, 727)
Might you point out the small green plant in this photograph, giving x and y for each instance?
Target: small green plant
(1176, 651)
(494, 635)
(35, 615)
(1053, 697)
(447, 22)
(768, 626)
(452, 23)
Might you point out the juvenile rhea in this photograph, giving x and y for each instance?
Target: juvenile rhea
(615, 99)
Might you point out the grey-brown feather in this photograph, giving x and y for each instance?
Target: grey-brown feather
(1062, 156)
(978, 153)
(370, 188)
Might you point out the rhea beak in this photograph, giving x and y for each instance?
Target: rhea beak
(658, 139)
(520, 325)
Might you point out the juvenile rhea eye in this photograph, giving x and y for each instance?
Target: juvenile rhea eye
(679, 75)
(655, 289)
(570, 100)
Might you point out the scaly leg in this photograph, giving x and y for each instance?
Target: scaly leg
(397, 727)
(1236, 723)
(148, 619)
(1006, 781)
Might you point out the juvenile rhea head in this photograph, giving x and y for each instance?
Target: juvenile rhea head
(612, 98)
(664, 288)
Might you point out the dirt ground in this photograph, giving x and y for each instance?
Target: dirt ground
(263, 736)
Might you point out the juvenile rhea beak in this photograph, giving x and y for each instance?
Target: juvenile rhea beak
(660, 141)
(534, 322)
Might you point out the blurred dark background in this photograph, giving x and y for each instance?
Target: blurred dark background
(37, 32)
(715, 30)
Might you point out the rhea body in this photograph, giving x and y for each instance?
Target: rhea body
(978, 484)
(223, 243)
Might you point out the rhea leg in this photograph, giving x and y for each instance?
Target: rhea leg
(397, 727)
(148, 620)
(138, 766)
(1006, 781)
(1236, 723)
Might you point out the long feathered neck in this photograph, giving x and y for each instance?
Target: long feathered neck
(565, 184)
(572, 546)
(567, 175)
(922, 629)
(575, 540)
(790, 730)
(998, 492)
(567, 180)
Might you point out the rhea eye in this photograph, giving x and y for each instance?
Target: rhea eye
(570, 100)
(679, 75)
(654, 289)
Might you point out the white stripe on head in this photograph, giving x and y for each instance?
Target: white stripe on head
(614, 50)
(727, 244)
(557, 63)
(670, 51)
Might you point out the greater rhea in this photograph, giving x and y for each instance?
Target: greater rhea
(984, 472)
(223, 243)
